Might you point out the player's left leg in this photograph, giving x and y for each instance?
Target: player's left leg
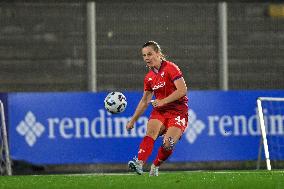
(171, 138)
(175, 128)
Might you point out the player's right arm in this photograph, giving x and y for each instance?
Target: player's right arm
(141, 107)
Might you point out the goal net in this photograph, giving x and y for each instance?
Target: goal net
(271, 119)
(5, 166)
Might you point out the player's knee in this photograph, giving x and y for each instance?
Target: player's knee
(169, 143)
(152, 133)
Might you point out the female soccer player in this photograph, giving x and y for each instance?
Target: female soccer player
(170, 110)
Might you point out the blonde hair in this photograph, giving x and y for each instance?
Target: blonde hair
(156, 48)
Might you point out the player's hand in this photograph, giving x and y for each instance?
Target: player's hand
(129, 125)
(157, 103)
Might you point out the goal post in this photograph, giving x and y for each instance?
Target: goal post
(5, 166)
(271, 118)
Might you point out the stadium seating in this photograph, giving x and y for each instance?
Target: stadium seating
(43, 46)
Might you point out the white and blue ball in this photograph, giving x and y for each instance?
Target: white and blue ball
(115, 102)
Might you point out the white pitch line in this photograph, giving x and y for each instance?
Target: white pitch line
(100, 174)
(234, 172)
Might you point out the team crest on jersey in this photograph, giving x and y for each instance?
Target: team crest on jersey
(162, 74)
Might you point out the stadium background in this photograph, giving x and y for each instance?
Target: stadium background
(43, 47)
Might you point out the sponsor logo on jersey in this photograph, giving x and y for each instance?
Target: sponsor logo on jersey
(159, 85)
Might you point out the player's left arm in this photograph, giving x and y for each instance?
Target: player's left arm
(177, 94)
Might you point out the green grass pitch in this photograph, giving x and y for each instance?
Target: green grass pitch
(173, 180)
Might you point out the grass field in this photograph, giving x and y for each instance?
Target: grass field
(173, 180)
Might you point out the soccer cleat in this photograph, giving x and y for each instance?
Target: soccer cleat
(136, 166)
(154, 171)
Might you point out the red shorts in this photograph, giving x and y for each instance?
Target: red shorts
(171, 120)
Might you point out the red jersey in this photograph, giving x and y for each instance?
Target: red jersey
(161, 82)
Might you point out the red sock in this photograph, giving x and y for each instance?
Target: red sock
(146, 147)
(162, 156)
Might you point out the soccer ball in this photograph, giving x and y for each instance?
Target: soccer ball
(115, 102)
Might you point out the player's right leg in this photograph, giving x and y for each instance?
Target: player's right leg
(171, 138)
(154, 127)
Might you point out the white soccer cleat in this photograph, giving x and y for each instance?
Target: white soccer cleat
(136, 166)
(154, 171)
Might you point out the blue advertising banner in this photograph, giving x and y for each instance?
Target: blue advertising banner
(64, 128)
(223, 126)
(67, 128)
